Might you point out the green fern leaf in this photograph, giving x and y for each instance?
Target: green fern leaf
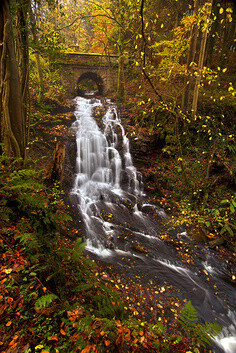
(29, 240)
(45, 301)
(188, 317)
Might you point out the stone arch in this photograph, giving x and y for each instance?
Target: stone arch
(94, 77)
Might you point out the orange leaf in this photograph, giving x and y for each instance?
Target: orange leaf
(9, 300)
(86, 349)
(107, 343)
(8, 323)
(62, 332)
(102, 333)
(45, 352)
(54, 338)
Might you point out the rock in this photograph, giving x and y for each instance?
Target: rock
(214, 243)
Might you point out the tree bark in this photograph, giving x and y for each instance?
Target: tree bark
(188, 81)
(37, 56)
(12, 117)
(56, 167)
(200, 62)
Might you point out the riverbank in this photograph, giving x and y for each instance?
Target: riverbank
(131, 330)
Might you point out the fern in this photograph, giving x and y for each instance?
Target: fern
(200, 333)
(77, 250)
(45, 301)
(5, 211)
(188, 317)
(29, 239)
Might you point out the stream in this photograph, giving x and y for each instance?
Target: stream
(124, 229)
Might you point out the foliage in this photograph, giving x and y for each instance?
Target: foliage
(200, 333)
(53, 87)
(61, 304)
(45, 300)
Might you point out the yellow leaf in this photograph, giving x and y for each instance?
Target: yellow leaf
(221, 10)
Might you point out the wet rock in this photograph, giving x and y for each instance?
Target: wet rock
(214, 243)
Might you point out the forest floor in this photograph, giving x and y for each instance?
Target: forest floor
(52, 125)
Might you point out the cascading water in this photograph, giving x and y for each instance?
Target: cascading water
(109, 196)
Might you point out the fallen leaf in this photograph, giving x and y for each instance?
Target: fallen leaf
(62, 332)
(54, 338)
(107, 343)
(87, 349)
(8, 323)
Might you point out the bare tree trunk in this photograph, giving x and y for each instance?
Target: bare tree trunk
(200, 61)
(188, 81)
(212, 35)
(12, 116)
(23, 54)
(37, 56)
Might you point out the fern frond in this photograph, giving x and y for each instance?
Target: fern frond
(78, 249)
(45, 301)
(5, 213)
(29, 239)
(188, 317)
(201, 333)
(207, 332)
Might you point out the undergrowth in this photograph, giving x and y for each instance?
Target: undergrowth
(51, 300)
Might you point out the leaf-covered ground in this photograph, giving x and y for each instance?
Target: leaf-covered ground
(55, 301)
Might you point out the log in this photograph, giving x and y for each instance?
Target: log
(55, 169)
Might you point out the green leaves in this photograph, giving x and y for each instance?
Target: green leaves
(44, 301)
(201, 333)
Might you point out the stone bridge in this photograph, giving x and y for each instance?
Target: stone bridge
(74, 68)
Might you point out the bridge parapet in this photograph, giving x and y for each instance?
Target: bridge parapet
(72, 65)
(86, 59)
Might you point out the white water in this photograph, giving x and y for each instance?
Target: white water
(106, 181)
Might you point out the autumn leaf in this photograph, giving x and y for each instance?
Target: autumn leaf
(87, 349)
(107, 343)
(54, 338)
(102, 333)
(8, 323)
(63, 333)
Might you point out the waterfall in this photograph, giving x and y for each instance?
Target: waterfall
(110, 198)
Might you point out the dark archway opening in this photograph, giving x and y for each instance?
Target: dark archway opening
(89, 83)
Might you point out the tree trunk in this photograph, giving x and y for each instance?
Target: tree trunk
(56, 167)
(37, 56)
(188, 81)
(212, 35)
(12, 117)
(120, 79)
(228, 36)
(200, 62)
